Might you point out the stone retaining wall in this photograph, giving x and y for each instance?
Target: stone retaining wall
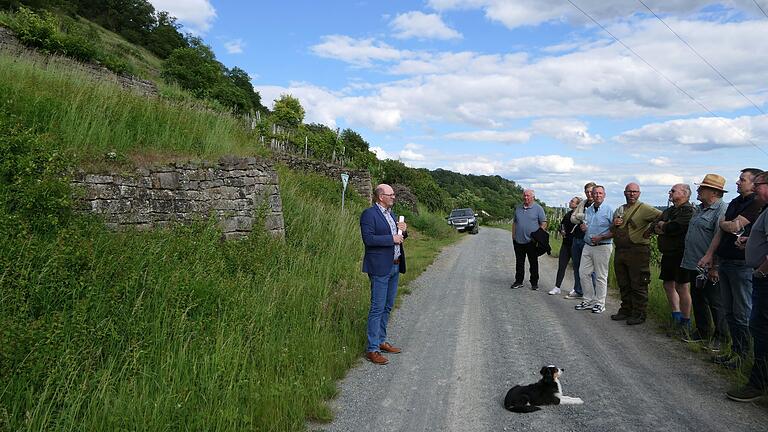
(238, 192)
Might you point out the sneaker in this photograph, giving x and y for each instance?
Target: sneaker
(745, 394)
(534, 286)
(573, 295)
(598, 308)
(554, 291)
(691, 336)
(734, 363)
(714, 345)
(517, 285)
(722, 358)
(583, 305)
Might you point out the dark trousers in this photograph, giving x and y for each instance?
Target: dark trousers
(576, 250)
(562, 262)
(523, 250)
(632, 266)
(708, 310)
(758, 326)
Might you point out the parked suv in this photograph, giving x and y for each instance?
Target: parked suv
(464, 220)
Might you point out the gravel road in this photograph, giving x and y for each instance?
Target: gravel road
(467, 338)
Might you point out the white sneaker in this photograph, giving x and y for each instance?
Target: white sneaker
(554, 291)
(584, 305)
(598, 308)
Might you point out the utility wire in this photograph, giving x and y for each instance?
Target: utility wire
(702, 58)
(674, 84)
(760, 7)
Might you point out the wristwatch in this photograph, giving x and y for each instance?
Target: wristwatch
(757, 274)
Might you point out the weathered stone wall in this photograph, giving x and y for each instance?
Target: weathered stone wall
(359, 180)
(237, 191)
(10, 45)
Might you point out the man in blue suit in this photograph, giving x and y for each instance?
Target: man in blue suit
(384, 260)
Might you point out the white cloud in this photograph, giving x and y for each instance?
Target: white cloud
(381, 154)
(234, 46)
(532, 164)
(704, 133)
(602, 79)
(518, 13)
(491, 136)
(659, 179)
(417, 24)
(196, 15)
(660, 161)
(411, 152)
(568, 131)
(360, 52)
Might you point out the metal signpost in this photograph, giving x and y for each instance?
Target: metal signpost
(344, 181)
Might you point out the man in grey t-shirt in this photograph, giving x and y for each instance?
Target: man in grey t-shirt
(529, 217)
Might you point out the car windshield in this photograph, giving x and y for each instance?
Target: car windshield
(462, 213)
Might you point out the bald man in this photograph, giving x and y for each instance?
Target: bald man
(631, 261)
(384, 260)
(529, 217)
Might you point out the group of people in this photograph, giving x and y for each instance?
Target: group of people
(714, 263)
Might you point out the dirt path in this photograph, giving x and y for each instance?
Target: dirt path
(467, 338)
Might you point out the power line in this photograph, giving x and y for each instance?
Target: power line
(702, 58)
(760, 7)
(674, 84)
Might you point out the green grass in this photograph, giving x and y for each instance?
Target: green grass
(176, 330)
(91, 118)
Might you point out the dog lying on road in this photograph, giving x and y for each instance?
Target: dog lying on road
(548, 391)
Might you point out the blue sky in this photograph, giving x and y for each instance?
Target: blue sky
(531, 90)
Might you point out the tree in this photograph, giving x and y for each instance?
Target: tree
(242, 80)
(194, 68)
(287, 111)
(165, 36)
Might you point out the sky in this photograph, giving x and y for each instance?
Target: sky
(548, 93)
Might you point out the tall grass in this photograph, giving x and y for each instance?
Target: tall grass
(92, 118)
(176, 330)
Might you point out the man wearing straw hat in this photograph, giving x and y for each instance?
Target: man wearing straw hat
(705, 292)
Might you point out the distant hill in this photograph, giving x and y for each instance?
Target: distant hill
(492, 194)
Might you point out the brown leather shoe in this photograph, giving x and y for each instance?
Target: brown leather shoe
(376, 358)
(386, 347)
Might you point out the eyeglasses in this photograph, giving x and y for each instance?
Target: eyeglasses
(631, 191)
(389, 195)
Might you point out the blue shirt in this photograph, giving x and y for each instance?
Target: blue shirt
(392, 226)
(598, 222)
(528, 220)
(701, 230)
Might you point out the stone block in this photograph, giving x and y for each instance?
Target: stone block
(274, 221)
(165, 180)
(161, 206)
(98, 179)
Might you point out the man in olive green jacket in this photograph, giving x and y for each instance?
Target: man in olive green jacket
(631, 261)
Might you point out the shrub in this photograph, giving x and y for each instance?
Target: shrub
(33, 192)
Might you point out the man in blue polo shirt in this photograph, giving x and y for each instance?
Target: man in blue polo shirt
(596, 255)
(529, 217)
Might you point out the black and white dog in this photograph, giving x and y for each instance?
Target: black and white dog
(548, 391)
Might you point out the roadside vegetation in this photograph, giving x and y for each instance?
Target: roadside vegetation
(173, 329)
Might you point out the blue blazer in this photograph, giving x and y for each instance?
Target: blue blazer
(379, 246)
